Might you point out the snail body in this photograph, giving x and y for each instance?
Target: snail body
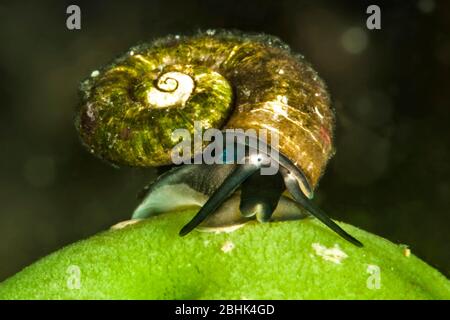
(223, 80)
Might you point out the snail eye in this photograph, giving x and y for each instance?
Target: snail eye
(259, 159)
(254, 159)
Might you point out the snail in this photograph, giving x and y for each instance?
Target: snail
(130, 108)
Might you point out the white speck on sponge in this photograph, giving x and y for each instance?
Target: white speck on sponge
(227, 246)
(334, 254)
(407, 252)
(217, 230)
(124, 224)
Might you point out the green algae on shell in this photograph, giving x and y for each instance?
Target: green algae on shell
(131, 107)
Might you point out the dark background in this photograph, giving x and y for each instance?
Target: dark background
(391, 90)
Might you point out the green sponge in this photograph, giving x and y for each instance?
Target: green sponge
(281, 260)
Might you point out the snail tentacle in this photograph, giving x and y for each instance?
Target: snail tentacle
(231, 183)
(297, 194)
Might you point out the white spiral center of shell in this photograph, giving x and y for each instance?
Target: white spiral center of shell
(172, 89)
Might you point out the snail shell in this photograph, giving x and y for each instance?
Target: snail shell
(131, 107)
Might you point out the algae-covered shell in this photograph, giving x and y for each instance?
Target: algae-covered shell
(131, 107)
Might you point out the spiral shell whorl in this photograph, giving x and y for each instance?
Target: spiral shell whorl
(131, 107)
(172, 89)
(225, 80)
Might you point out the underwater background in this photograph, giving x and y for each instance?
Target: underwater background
(390, 89)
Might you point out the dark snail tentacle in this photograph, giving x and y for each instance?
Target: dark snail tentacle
(294, 190)
(231, 183)
(227, 216)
